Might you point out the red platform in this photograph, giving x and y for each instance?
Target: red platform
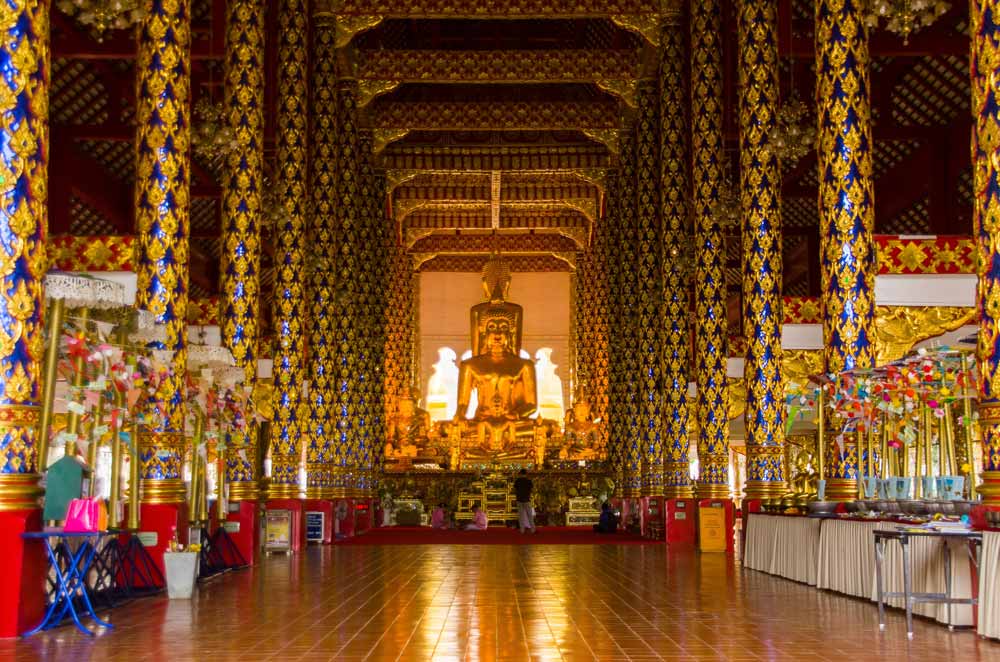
(25, 567)
(247, 537)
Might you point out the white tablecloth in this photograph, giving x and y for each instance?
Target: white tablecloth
(783, 546)
(839, 555)
(989, 586)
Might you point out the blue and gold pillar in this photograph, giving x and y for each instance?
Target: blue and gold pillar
(24, 136)
(673, 179)
(322, 307)
(649, 292)
(846, 208)
(24, 132)
(163, 99)
(760, 191)
(984, 16)
(241, 197)
(711, 332)
(290, 242)
(347, 327)
(628, 241)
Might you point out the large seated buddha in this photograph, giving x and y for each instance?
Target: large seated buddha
(500, 429)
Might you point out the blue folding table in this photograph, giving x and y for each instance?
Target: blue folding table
(70, 581)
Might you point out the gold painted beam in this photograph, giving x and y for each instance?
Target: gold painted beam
(551, 242)
(491, 115)
(548, 156)
(639, 16)
(518, 263)
(613, 70)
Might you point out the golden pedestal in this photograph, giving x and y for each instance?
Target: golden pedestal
(494, 495)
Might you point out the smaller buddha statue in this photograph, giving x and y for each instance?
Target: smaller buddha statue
(409, 429)
(582, 438)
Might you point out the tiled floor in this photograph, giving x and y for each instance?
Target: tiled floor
(499, 602)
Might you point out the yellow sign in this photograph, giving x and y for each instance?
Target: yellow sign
(712, 528)
(278, 531)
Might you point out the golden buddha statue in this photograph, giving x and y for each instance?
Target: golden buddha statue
(500, 428)
(409, 430)
(582, 438)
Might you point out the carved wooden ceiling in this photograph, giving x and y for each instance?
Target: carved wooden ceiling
(496, 122)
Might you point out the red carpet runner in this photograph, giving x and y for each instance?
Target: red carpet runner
(499, 535)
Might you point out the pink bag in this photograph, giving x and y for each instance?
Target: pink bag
(84, 515)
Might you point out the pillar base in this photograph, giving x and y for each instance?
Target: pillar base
(162, 520)
(22, 592)
(841, 489)
(990, 488)
(247, 538)
(765, 490)
(713, 491)
(247, 490)
(294, 506)
(681, 521)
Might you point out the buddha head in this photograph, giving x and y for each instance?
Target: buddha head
(496, 329)
(581, 410)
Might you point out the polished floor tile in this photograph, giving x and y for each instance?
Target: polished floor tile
(502, 603)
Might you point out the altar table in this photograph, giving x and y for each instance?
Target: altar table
(839, 555)
(989, 581)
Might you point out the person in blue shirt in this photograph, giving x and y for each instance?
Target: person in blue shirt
(608, 523)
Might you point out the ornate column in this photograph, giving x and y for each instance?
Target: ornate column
(846, 208)
(617, 409)
(366, 330)
(24, 127)
(383, 260)
(241, 195)
(649, 291)
(676, 244)
(348, 305)
(162, 119)
(760, 190)
(628, 237)
(598, 334)
(985, 65)
(290, 243)
(711, 332)
(322, 307)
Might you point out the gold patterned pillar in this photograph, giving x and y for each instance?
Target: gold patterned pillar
(760, 190)
(162, 187)
(241, 196)
(347, 329)
(24, 128)
(382, 264)
(985, 65)
(711, 332)
(366, 329)
(321, 261)
(610, 242)
(629, 251)
(674, 189)
(649, 291)
(598, 340)
(846, 209)
(290, 250)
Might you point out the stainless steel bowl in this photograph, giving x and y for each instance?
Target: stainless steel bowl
(853, 506)
(946, 507)
(822, 507)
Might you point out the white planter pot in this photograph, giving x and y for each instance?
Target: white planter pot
(182, 572)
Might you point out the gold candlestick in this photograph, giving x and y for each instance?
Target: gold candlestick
(859, 445)
(198, 474)
(79, 374)
(220, 481)
(968, 432)
(116, 468)
(821, 434)
(49, 386)
(133, 480)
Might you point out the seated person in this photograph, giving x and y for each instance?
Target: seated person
(439, 518)
(478, 522)
(608, 523)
